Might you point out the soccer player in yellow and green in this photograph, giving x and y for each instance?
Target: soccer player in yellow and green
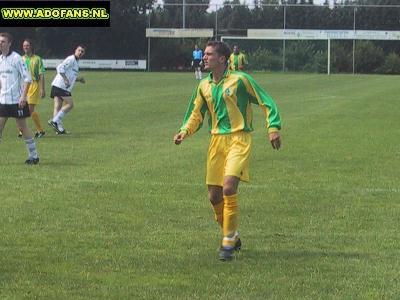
(226, 96)
(36, 90)
(237, 60)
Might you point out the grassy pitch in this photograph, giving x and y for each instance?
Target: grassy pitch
(115, 210)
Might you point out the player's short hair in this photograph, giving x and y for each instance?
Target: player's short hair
(80, 45)
(221, 48)
(7, 35)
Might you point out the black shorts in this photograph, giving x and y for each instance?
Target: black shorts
(196, 63)
(57, 92)
(13, 111)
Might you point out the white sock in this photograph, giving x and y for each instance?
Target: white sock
(200, 75)
(61, 114)
(30, 145)
(60, 125)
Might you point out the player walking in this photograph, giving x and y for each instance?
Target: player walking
(14, 85)
(226, 96)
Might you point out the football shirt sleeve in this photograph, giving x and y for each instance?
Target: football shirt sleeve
(195, 113)
(260, 97)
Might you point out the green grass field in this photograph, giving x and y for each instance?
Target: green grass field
(116, 211)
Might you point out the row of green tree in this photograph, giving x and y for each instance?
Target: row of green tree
(125, 38)
(309, 56)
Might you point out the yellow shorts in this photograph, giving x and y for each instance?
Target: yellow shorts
(33, 93)
(228, 155)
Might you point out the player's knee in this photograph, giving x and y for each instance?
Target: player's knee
(229, 190)
(215, 196)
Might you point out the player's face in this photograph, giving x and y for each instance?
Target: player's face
(211, 59)
(4, 44)
(79, 52)
(27, 47)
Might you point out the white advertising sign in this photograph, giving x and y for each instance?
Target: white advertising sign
(116, 64)
(179, 32)
(298, 34)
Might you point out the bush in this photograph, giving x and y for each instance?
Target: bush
(342, 57)
(264, 59)
(392, 64)
(368, 57)
(318, 64)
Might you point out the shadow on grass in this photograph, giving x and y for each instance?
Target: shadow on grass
(78, 134)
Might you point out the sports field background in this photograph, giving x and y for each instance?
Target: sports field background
(115, 210)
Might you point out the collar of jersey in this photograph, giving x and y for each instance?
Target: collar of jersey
(226, 74)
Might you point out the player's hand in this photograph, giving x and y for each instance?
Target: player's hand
(81, 80)
(275, 139)
(178, 138)
(22, 102)
(66, 82)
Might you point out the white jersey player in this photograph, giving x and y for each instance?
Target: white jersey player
(14, 84)
(12, 69)
(61, 88)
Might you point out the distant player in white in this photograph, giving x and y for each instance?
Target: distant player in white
(14, 84)
(61, 87)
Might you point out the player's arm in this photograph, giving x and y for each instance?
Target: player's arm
(24, 96)
(61, 69)
(272, 118)
(230, 63)
(194, 117)
(66, 81)
(41, 84)
(41, 79)
(27, 79)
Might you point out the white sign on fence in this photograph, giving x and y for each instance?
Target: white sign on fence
(298, 34)
(116, 64)
(179, 32)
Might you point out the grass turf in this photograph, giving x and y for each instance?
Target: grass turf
(115, 210)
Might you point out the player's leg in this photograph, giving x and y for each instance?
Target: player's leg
(236, 169)
(68, 106)
(231, 211)
(36, 120)
(3, 121)
(217, 201)
(58, 101)
(33, 100)
(33, 157)
(215, 175)
(199, 73)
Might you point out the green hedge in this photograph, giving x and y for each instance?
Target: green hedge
(311, 56)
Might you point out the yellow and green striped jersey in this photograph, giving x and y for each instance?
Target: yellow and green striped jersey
(35, 66)
(228, 105)
(237, 61)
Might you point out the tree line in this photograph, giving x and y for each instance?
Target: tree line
(125, 38)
